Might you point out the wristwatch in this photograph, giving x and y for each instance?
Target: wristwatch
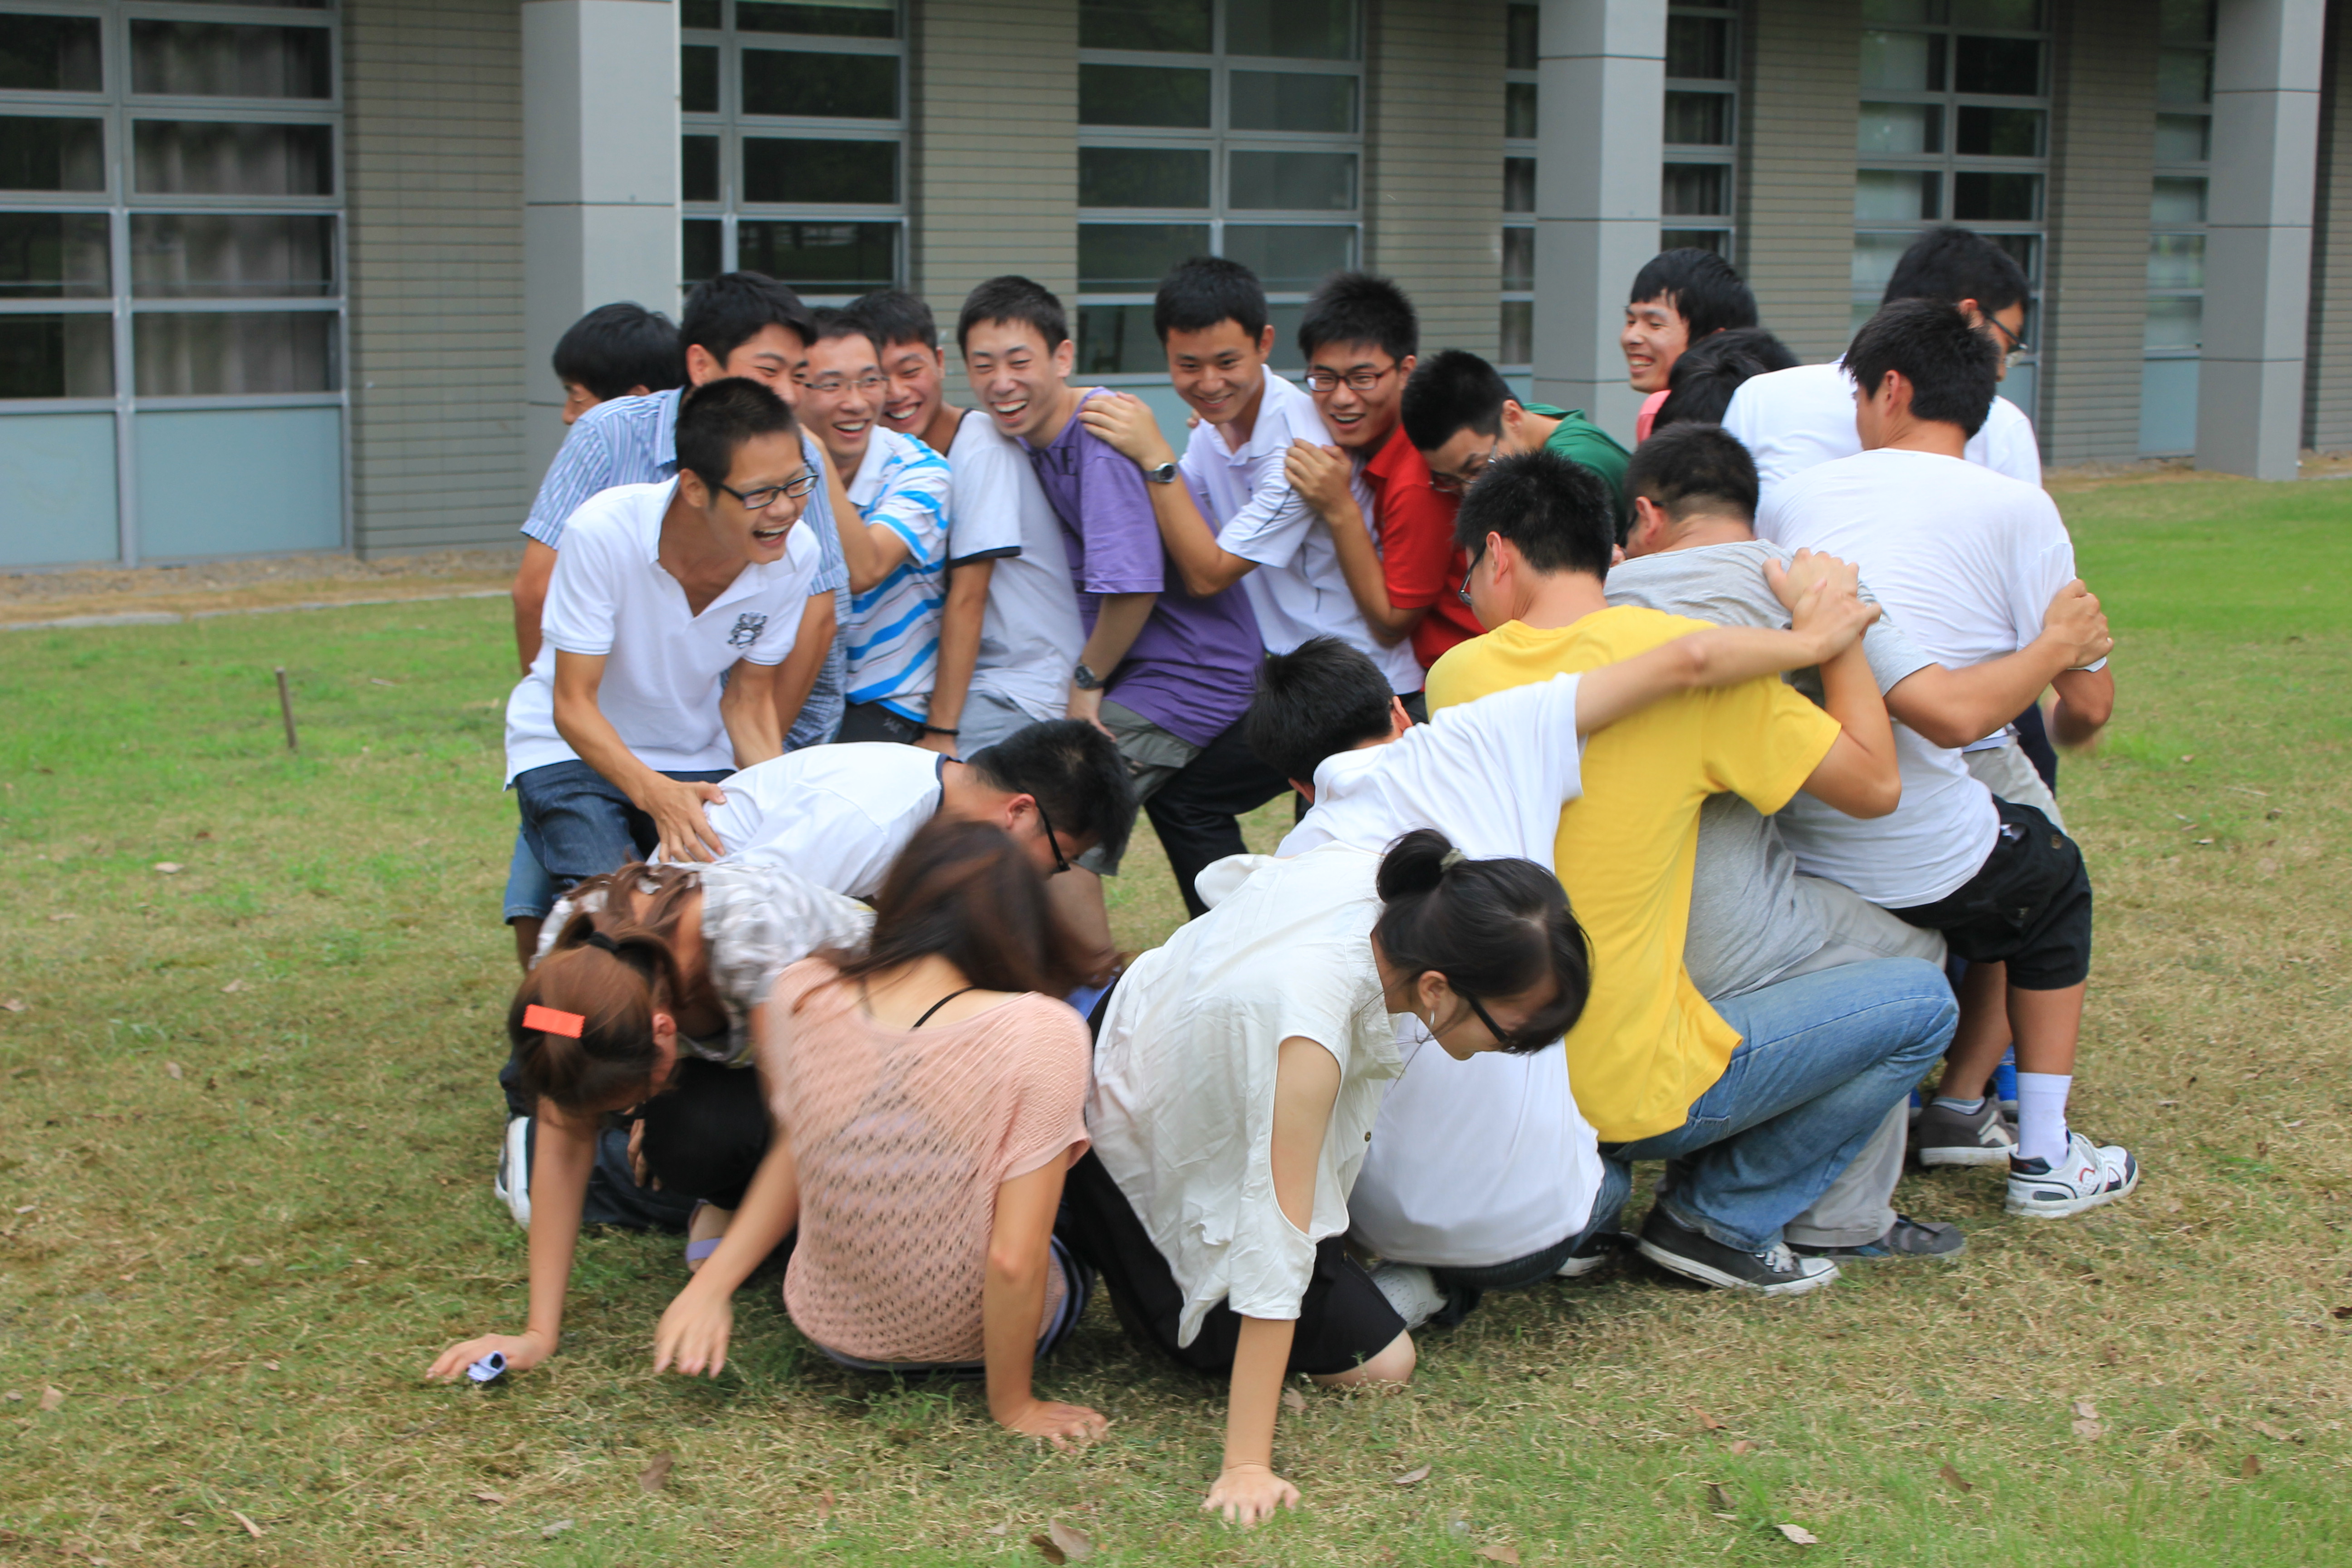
(1086, 680)
(1165, 474)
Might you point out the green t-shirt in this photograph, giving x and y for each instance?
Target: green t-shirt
(1579, 440)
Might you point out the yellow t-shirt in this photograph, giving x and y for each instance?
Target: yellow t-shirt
(1648, 1044)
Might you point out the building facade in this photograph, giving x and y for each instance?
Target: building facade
(284, 275)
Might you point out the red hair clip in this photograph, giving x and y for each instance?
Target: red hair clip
(552, 1021)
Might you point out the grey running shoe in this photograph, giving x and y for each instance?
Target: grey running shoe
(1776, 1271)
(2091, 1174)
(1907, 1238)
(513, 1183)
(1943, 1136)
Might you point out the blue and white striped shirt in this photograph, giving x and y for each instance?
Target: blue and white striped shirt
(634, 441)
(893, 631)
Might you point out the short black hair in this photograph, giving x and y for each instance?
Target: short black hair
(1075, 771)
(1199, 292)
(715, 418)
(1952, 367)
(1700, 385)
(1948, 265)
(1559, 513)
(1318, 699)
(1360, 308)
(1013, 297)
(894, 316)
(725, 312)
(1453, 391)
(615, 347)
(1702, 288)
(828, 322)
(1694, 467)
(1492, 927)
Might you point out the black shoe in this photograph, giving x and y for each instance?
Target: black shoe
(1777, 1271)
(1907, 1238)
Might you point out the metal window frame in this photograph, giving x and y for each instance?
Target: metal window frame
(1506, 298)
(2200, 170)
(1723, 155)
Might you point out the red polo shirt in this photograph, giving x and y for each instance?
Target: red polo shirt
(1419, 560)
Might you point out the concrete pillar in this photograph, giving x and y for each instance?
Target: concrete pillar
(2328, 374)
(1800, 84)
(2094, 270)
(1434, 165)
(2258, 236)
(600, 176)
(1599, 144)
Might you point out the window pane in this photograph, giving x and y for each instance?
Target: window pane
(842, 87)
(1520, 108)
(834, 19)
(1117, 338)
(1903, 62)
(192, 157)
(217, 256)
(1288, 259)
(1289, 101)
(1699, 118)
(50, 54)
(698, 78)
(226, 352)
(1997, 65)
(1143, 177)
(1998, 133)
(1142, 95)
(1292, 29)
(1875, 255)
(2001, 198)
(2176, 261)
(1695, 190)
(54, 256)
(1518, 331)
(2183, 138)
(57, 356)
(698, 168)
(2185, 21)
(1518, 259)
(699, 13)
(270, 5)
(2025, 15)
(808, 170)
(1131, 258)
(2184, 76)
(1899, 128)
(2177, 201)
(2175, 322)
(1698, 46)
(213, 59)
(1180, 27)
(699, 244)
(52, 154)
(1292, 182)
(820, 257)
(1519, 184)
(1903, 11)
(1715, 239)
(1522, 31)
(1895, 196)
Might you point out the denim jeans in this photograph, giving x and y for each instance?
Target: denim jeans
(1465, 1287)
(578, 824)
(1820, 1059)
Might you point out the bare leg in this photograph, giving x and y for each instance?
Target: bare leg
(1393, 1364)
(2048, 1023)
(1983, 1035)
(526, 935)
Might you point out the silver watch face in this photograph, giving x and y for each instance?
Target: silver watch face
(1165, 474)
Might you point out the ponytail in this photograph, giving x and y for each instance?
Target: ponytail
(612, 974)
(1493, 928)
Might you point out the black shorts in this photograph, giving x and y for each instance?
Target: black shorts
(2029, 905)
(1343, 1321)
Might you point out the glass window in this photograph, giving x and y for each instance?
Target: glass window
(2176, 211)
(811, 171)
(1699, 118)
(212, 59)
(1699, 46)
(46, 155)
(223, 158)
(839, 259)
(698, 168)
(1695, 190)
(1155, 26)
(1519, 184)
(828, 18)
(1519, 110)
(232, 256)
(1142, 95)
(1305, 181)
(1899, 128)
(1287, 100)
(57, 356)
(185, 353)
(1696, 187)
(50, 54)
(831, 87)
(55, 256)
(1143, 176)
(698, 78)
(1294, 30)
(1523, 34)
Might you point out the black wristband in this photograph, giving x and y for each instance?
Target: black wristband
(935, 730)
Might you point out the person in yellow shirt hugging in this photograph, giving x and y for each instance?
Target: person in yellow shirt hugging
(1759, 1105)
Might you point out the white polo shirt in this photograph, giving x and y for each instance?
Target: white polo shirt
(837, 816)
(1792, 419)
(664, 666)
(1298, 591)
(1030, 635)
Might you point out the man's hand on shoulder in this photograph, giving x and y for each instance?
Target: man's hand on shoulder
(1320, 475)
(1124, 422)
(1790, 583)
(675, 807)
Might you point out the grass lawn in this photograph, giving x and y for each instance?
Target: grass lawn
(247, 1129)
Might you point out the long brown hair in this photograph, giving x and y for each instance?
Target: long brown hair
(614, 969)
(965, 891)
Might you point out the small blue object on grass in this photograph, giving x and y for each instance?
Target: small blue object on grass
(2004, 1082)
(489, 1367)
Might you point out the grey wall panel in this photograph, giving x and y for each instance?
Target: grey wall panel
(1797, 98)
(1433, 147)
(2328, 371)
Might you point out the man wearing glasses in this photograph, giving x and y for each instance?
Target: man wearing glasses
(1458, 411)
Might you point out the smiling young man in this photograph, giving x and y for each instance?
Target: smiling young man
(616, 351)
(895, 545)
(1679, 297)
(1460, 414)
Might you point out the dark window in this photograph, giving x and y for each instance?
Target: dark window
(1519, 184)
(1523, 32)
(211, 59)
(55, 256)
(1142, 95)
(1166, 26)
(215, 158)
(2011, 66)
(840, 86)
(698, 78)
(700, 247)
(225, 256)
(50, 54)
(1699, 118)
(1123, 257)
(2001, 198)
(57, 356)
(807, 169)
(832, 21)
(1695, 190)
(1292, 29)
(1699, 47)
(820, 258)
(698, 168)
(1519, 108)
(1143, 177)
(52, 154)
(1999, 132)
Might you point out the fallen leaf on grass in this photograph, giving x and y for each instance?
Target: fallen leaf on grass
(1953, 1477)
(1799, 1534)
(271, 1365)
(2340, 1312)
(16, 1003)
(232, 988)
(1048, 1549)
(1411, 1478)
(2274, 1433)
(52, 1396)
(549, 1532)
(169, 868)
(2087, 1428)
(13, 1397)
(2086, 1410)
(172, 1069)
(825, 1506)
(1743, 1447)
(1294, 1402)
(1074, 1545)
(1498, 1554)
(250, 1527)
(2250, 1468)
(1716, 1497)
(496, 1499)
(54, 919)
(652, 1478)
(1707, 1423)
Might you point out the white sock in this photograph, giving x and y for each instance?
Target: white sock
(2042, 1115)
(1965, 1107)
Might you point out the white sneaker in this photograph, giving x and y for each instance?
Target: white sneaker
(513, 1183)
(2091, 1174)
(1411, 1290)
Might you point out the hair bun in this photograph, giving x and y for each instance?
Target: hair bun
(1415, 864)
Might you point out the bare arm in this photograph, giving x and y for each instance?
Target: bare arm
(675, 808)
(1859, 776)
(1125, 423)
(2087, 700)
(1012, 1303)
(1957, 708)
(1118, 621)
(530, 597)
(748, 709)
(796, 676)
(871, 551)
(959, 624)
(562, 1155)
(1320, 475)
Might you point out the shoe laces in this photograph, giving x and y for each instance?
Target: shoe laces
(1778, 1258)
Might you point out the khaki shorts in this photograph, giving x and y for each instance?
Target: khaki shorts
(1153, 757)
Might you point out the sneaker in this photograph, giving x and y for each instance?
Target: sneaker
(2091, 1174)
(1593, 1252)
(1411, 1290)
(1943, 1136)
(1907, 1238)
(513, 1183)
(1775, 1271)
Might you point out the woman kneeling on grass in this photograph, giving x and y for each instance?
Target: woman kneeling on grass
(927, 1101)
(1237, 1073)
(650, 996)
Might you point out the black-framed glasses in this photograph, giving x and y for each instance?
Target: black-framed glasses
(2017, 345)
(1463, 592)
(763, 498)
(1455, 484)
(831, 385)
(1053, 839)
(1355, 380)
(1506, 1038)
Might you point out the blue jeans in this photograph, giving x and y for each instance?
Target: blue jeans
(1608, 1206)
(1821, 1058)
(577, 824)
(531, 892)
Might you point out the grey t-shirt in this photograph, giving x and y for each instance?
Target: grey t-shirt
(1752, 918)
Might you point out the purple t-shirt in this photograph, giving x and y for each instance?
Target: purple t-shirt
(1193, 666)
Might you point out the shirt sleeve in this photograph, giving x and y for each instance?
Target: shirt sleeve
(984, 477)
(1273, 523)
(1114, 520)
(1592, 446)
(1891, 654)
(2010, 446)
(913, 505)
(583, 466)
(583, 604)
(1048, 1111)
(1416, 535)
(833, 568)
(2046, 566)
(1763, 740)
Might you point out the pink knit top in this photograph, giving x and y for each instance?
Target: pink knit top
(901, 1138)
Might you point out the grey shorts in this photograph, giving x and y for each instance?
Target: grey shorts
(2009, 773)
(987, 719)
(1153, 757)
